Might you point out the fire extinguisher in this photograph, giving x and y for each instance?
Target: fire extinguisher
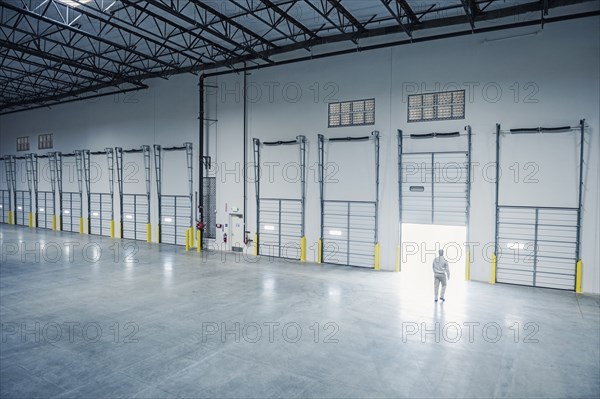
(225, 238)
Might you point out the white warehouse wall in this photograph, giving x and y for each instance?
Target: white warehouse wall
(550, 78)
(165, 114)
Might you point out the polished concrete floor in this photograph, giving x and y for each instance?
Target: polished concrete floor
(152, 321)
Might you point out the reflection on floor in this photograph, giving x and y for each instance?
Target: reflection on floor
(149, 321)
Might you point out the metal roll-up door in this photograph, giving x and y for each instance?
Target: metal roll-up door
(538, 246)
(135, 211)
(538, 235)
(134, 207)
(101, 208)
(175, 212)
(45, 208)
(71, 211)
(516, 238)
(349, 227)
(280, 214)
(349, 232)
(4, 205)
(450, 189)
(417, 189)
(23, 207)
(100, 193)
(435, 188)
(281, 227)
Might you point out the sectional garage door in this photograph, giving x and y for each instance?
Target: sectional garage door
(45, 209)
(538, 246)
(280, 218)
(349, 223)
(134, 208)
(349, 232)
(537, 236)
(434, 188)
(280, 227)
(23, 207)
(4, 205)
(175, 210)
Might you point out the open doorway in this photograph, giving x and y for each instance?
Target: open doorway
(420, 245)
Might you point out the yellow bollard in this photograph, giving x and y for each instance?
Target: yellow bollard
(112, 228)
(376, 266)
(80, 225)
(493, 277)
(148, 232)
(468, 267)
(30, 220)
(187, 239)
(10, 217)
(54, 222)
(320, 251)
(398, 258)
(578, 277)
(255, 244)
(199, 239)
(303, 249)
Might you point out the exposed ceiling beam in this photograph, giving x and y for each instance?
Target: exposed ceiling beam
(337, 4)
(424, 25)
(408, 11)
(396, 15)
(55, 51)
(233, 23)
(74, 29)
(287, 17)
(469, 11)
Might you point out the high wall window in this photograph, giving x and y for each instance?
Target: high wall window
(23, 143)
(45, 141)
(436, 106)
(352, 113)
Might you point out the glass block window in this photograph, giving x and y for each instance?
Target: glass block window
(45, 141)
(23, 143)
(352, 113)
(436, 106)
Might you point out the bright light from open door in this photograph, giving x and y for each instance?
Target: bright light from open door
(420, 245)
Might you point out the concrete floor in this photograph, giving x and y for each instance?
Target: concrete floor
(172, 301)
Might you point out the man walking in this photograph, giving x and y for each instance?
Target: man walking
(440, 271)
